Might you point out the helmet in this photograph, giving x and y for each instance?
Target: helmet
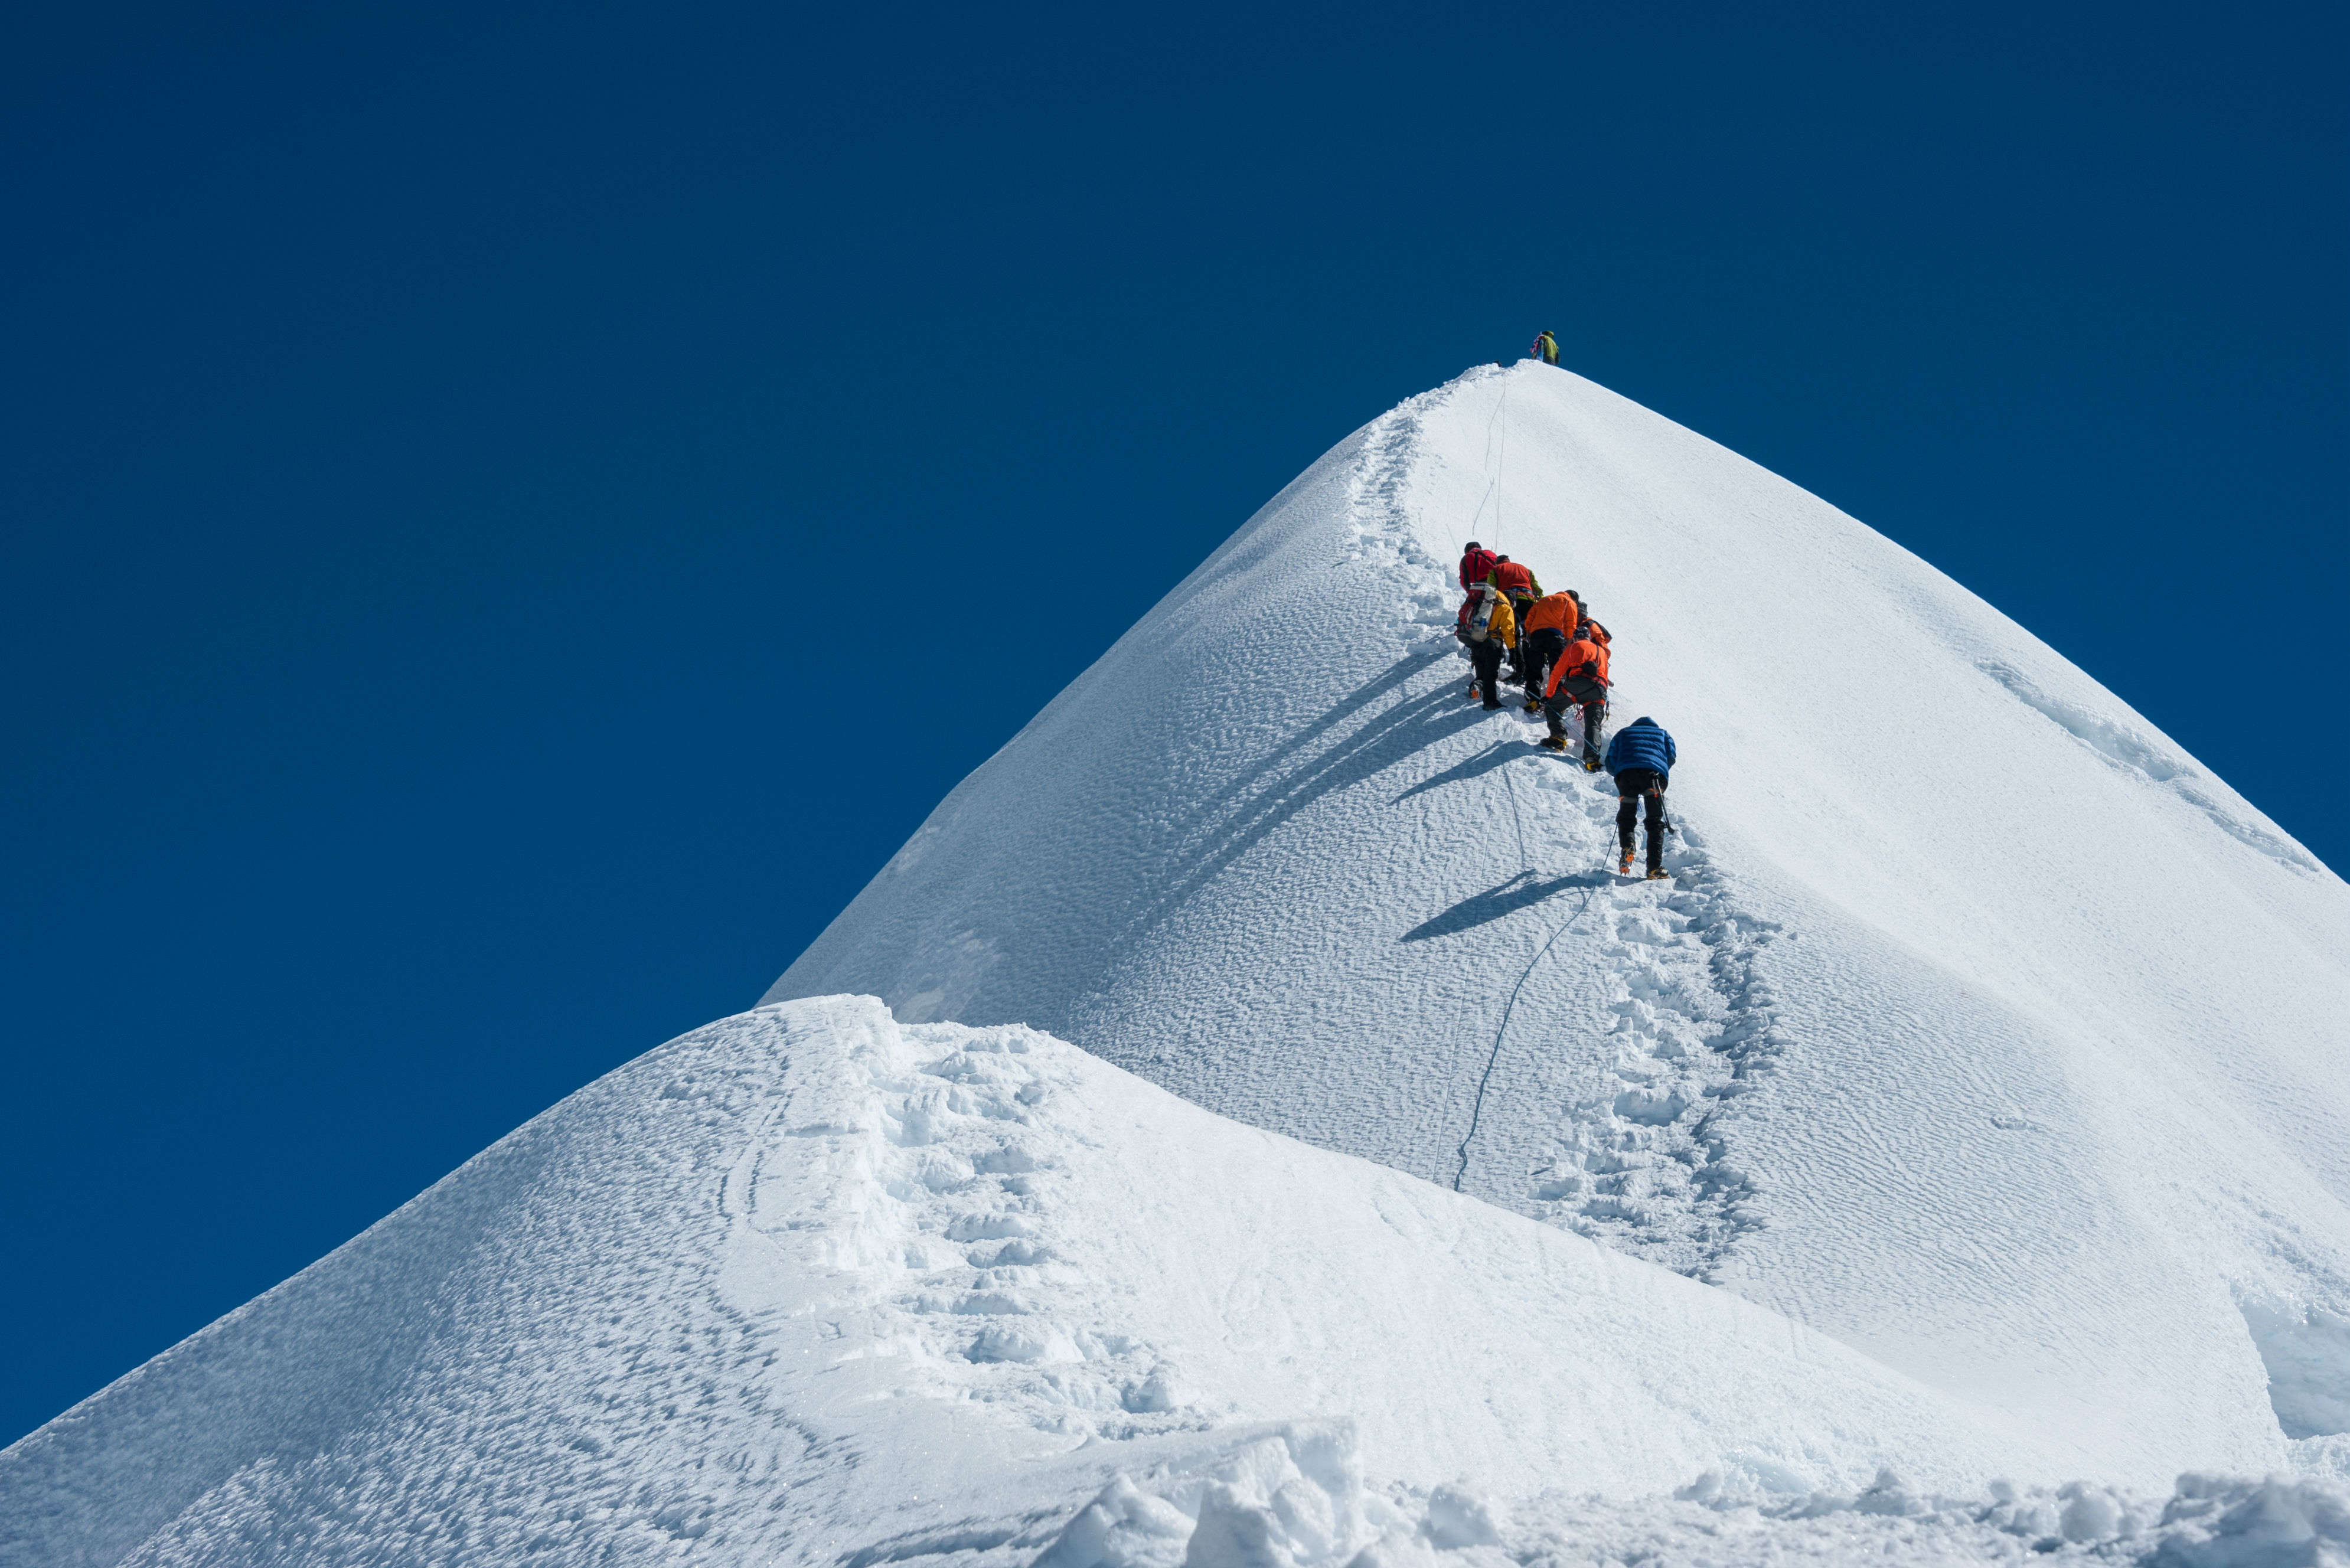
(1472, 545)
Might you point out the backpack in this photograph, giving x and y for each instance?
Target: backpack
(1480, 625)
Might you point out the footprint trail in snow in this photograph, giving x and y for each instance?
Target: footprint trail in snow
(1643, 1161)
(1646, 1165)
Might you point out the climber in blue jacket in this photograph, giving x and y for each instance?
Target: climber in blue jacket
(1640, 758)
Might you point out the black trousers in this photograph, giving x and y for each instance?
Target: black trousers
(1574, 691)
(1538, 651)
(1635, 785)
(1487, 658)
(1518, 608)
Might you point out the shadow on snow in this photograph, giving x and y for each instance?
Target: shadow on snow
(1521, 891)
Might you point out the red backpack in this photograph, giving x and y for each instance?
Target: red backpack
(1475, 566)
(1515, 578)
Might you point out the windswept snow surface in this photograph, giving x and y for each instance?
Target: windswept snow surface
(808, 1286)
(1981, 1029)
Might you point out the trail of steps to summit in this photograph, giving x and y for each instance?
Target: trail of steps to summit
(1645, 1159)
(1652, 1168)
(1646, 1164)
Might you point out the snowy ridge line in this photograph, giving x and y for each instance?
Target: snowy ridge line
(2122, 747)
(1380, 486)
(1647, 1167)
(1346, 739)
(1494, 465)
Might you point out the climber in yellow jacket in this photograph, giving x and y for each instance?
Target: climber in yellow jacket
(1489, 626)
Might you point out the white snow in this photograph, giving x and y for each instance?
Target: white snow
(807, 1285)
(1984, 1029)
(1951, 1155)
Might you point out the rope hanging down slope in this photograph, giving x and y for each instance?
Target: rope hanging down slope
(1494, 463)
(1477, 1111)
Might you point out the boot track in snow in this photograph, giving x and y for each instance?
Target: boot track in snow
(1647, 1165)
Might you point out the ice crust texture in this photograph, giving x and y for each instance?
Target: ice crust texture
(1971, 1105)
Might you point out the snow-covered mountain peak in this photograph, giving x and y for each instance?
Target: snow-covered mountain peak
(1982, 1027)
(1951, 1153)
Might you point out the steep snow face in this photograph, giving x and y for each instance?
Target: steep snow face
(1982, 1027)
(808, 1286)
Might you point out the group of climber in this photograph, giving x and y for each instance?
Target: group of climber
(1559, 654)
(1556, 651)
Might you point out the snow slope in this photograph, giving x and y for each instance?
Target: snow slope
(808, 1286)
(1983, 1029)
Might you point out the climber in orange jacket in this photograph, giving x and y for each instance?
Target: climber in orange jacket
(1579, 679)
(1543, 635)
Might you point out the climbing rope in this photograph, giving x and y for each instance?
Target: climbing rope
(1477, 1112)
(1492, 463)
(1517, 819)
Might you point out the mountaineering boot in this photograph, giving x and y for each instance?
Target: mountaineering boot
(1590, 765)
(1473, 691)
(1657, 873)
(1533, 704)
(1553, 742)
(1624, 864)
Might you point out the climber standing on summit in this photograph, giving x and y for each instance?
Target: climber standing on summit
(1641, 758)
(1545, 347)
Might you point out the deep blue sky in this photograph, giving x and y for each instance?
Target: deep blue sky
(510, 519)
